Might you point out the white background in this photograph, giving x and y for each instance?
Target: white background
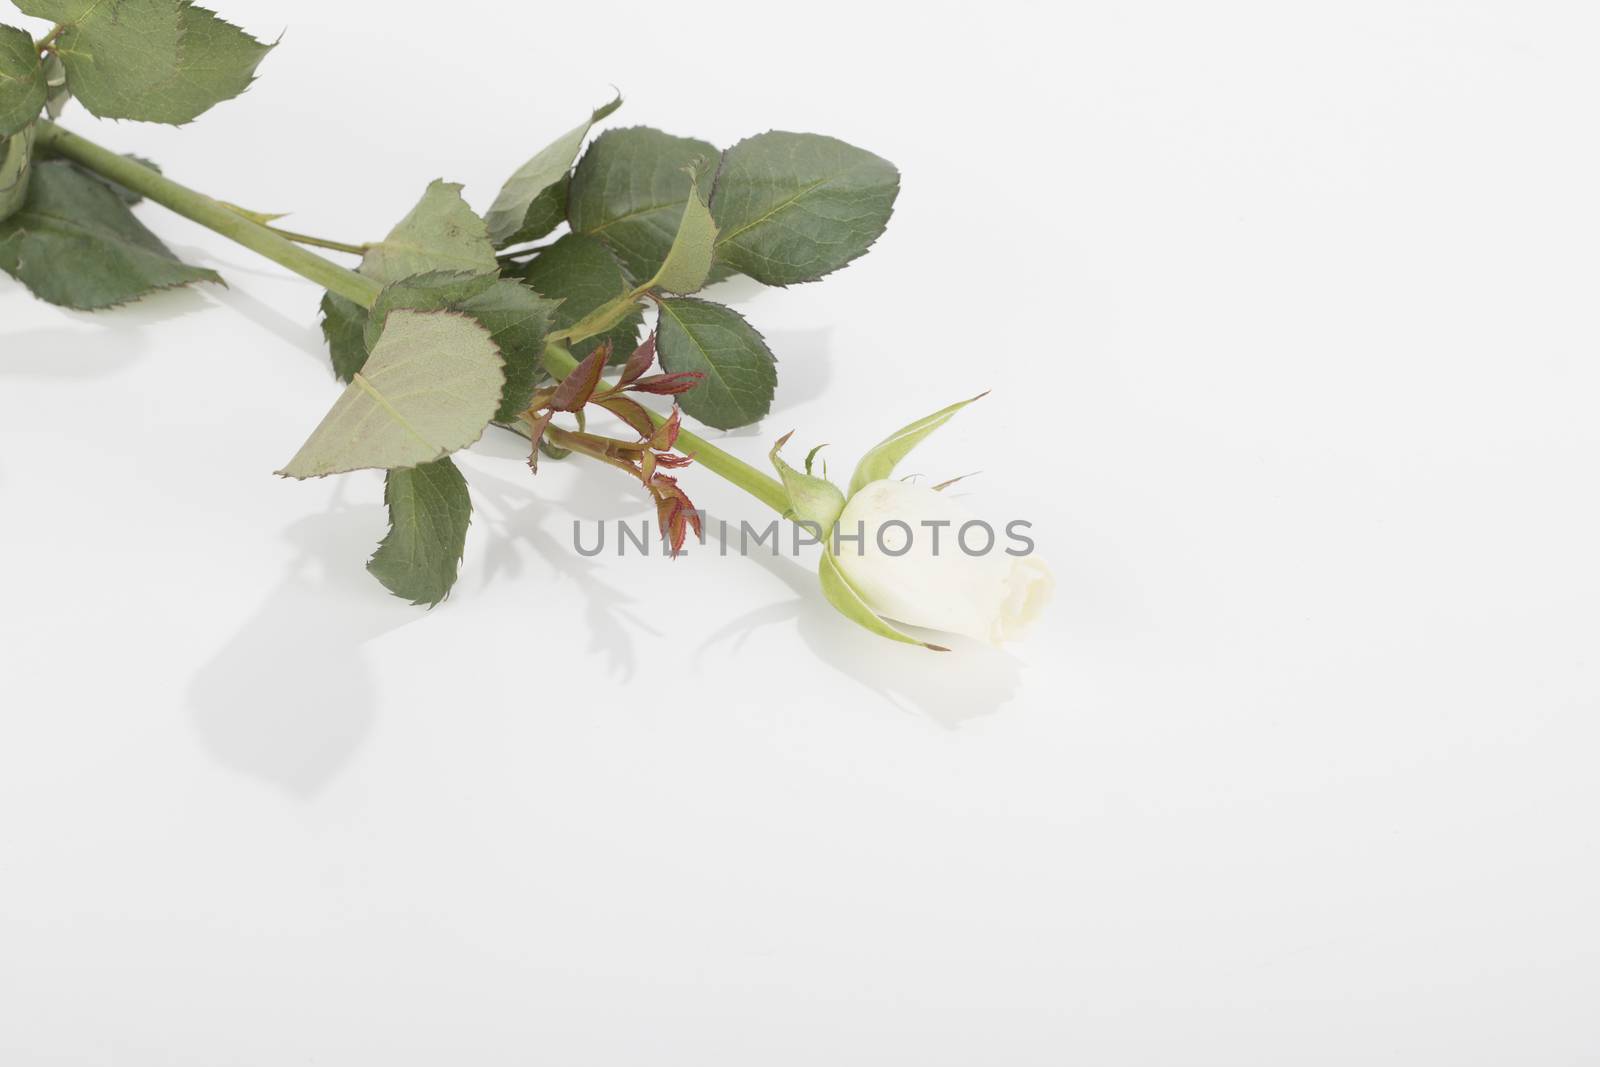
(1289, 311)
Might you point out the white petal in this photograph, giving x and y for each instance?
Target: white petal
(924, 577)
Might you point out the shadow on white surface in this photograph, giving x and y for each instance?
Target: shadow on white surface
(93, 344)
(289, 699)
(947, 688)
(512, 515)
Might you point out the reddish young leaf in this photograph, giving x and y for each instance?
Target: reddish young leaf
(640, 361)
(631, 412)
(537, 425)
(576, 388)
(666, 435)
(668, 384)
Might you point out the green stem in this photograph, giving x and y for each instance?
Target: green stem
(319, 242)
(52, 139)
(281, 249)
(560, 362)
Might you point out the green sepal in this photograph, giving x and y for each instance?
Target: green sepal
(811, 499)
(847, 602)
(880, 462)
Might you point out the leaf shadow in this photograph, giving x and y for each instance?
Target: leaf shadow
(947, 688)
(289, 698)
(94, 344)
(513, 515)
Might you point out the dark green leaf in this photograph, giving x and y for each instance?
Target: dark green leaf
(344, 325)
(579, 272)
(22, 83)
(429, 511)
(534, 201)
(792, 207)
(630, 188)
(741, 373)
(439, 290)
(75, 243)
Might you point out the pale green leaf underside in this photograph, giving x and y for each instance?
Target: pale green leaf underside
(75, 243)
(740, 371)
(630, 188)
(795, 206)
(844, 598)
(429, 387)
(440, 234)
(688, 261)
(879, 463)
(512, 218)
(22, 85)
(429, 511)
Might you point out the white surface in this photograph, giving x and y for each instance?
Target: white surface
(1289, 310)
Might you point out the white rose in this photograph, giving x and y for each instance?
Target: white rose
(991, 596)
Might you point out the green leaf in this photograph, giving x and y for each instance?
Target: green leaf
(583, 276)
(740, 370)
(630, 188)
(16, 165)
(844, 598)
(435, 291)
(76, 244)
(429, 511)
(517, 318)
(688, 261)
(811, 499)
(22, 83)
(534, 200)
(151, 60)
(880, 462)
(440, 233)
(344, 326)
(795, 206)
(430, 386)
